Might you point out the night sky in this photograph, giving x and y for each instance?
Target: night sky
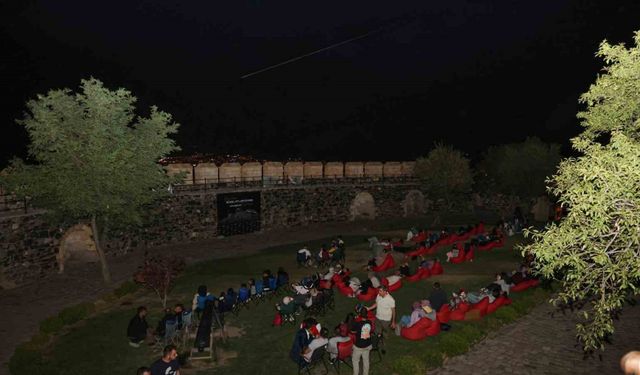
(469, 73)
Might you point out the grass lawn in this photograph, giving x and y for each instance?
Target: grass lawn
(98, 345)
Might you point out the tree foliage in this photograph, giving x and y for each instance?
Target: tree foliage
(91, 157)
(445, 172)
(595, 250)
(519, 169)
(159, 274)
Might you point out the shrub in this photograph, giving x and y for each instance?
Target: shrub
(51, 325)
(76, 313)
(127, 287)
(408, 365)
(453, 344)
(433, 358)
(159, 273)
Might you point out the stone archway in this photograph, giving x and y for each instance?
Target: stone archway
(77, 245)
(363, 206)
(414, 203)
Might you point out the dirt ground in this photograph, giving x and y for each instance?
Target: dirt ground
(25, 306)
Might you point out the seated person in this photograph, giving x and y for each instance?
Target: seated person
(178, 311)
(394, 278)
(162, 324)
(329, 275)
(300, 289)
(405, 270)
(417, 313)
(252, 287)
(504, 287)
(200, 299)
(287, 307)
(411, 233)
(365, 285)
(244, 294)
(457, 299)
(428, 310)
(222, 307)
(282, 277)
(354, 283)
(372, 263)
(342, 335)
(266, 275)
(138, 329)
(479, 296)
(230, 299)
(425, 263)
(437, 298)
(375, 282)
(303, 256)
(323, 255)
(455, 251)
(319, 340)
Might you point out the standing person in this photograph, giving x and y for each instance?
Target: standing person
(362, 346)
(168, 364)
(437, 297)
(385, 306)
(138, 328)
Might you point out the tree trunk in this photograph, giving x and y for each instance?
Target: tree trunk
(106, 275)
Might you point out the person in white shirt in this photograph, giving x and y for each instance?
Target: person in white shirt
(306, 252)
(385, 306)
(329, 275)
(319, 341)
(354, 283)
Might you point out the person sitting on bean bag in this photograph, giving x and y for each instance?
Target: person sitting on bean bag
(504, 287)
(395, 278)
(475, 297)
(430, 313)
(455, 251)
(408, 321)
(404, 269)
(437, 298)
(354, 284)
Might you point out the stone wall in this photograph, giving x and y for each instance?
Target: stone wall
(29, 246)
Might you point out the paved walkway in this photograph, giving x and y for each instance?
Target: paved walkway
(538, 344)
(24, 307)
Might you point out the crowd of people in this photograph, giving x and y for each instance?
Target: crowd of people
(325, 256)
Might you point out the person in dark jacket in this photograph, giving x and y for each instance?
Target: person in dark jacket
(138, 328)
(301, 341)
(437, 297)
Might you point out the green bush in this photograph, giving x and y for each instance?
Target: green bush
(51, 325)
(127, 287)
(453, 344)
(433, 358)
(408, 365)
(506, 314)
(76, 313)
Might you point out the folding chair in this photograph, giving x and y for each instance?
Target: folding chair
(187, 327)
(170, 336)
(259, 296)
(317, 358)
(345, 350)
(288, 313)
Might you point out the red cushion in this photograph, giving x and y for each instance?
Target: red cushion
(481, 306)
(395, 286)
(436, 269)
(369, 296)
(443, 316)
(416, 332)
(386, 264)
(433, 329)
(324, 284)
(469, 255)
(457, 314)
(464, 306)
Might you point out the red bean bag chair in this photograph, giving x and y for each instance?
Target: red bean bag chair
(345, 290)
(386, 264)
(436, 269)
(422, 236)
(336, 278)
(370, 295)
(444, 315)
(459, 259)
(495, 305)
(432, 250)
(468, 257)
(418, 331)
(457, 314)
(525, 285)
(424, 273)
(481, 306)
(324, 284)
(395, 286)
(416, 276)
(434, 328)
(480, 228)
